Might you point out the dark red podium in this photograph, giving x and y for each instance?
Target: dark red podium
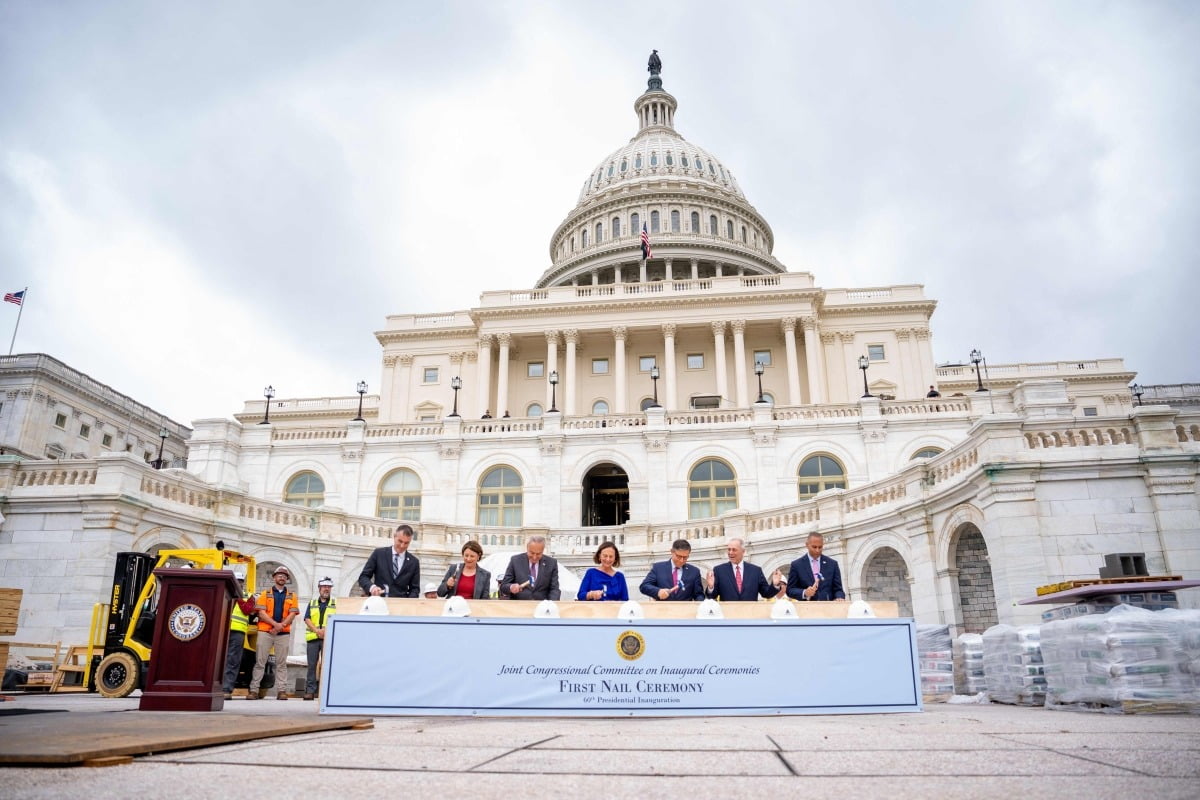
(191, 631)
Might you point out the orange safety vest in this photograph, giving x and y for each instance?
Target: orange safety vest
(267, 601)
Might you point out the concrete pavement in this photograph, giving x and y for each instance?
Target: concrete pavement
(947, 751)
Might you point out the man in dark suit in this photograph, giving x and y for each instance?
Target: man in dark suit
(828, 583)
(738, 579)
(533, 576)
(393, 571)
(674, 579)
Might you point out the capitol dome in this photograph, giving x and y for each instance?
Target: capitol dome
(698, 220)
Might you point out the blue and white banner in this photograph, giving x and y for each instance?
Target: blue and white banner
(578, 667)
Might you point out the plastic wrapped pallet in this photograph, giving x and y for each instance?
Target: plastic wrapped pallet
(935, 651)
(1130, 659)
(1012, 665)
(968, 664)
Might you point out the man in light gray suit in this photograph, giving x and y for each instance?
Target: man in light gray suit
(532, 576)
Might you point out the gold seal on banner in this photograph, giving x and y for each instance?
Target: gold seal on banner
(630, 645)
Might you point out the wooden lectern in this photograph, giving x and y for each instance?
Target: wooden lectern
(191, 632)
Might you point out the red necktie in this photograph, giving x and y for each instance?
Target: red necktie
(675, 576)
(737, 576)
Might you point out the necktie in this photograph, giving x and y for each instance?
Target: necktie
(395, 565)
(737, 576)
(675, 576)
(532, 574)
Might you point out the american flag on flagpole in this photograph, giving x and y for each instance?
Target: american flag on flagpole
(645, 243)
(15, 297)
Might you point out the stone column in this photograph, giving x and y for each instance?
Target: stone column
(668, 330)
(812, 351)
(551, 363)
(793, 364)
(570, 392)
(849, 361)
(505, 339)
(722, 387)
(925, 353)
(739, 362)
(670, 276)
(642, 271)
(909, 382)
(483, 376)
(695, 268)
(837, 371)
(401, 410)
(619, 401)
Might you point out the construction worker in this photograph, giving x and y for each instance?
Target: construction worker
(318, 609)
(276, 607)
(239, 623)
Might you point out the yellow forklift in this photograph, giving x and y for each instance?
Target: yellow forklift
(122, 629)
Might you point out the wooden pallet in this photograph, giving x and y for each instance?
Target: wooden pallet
(10, 605)
(1063, 586)
(73, 664)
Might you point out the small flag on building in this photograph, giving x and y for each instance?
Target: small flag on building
(19, 297)
(645, 243)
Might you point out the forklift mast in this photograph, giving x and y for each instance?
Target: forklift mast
(131, 573)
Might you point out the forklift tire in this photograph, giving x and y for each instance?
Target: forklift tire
(117, 675)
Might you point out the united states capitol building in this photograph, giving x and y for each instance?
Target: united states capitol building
(703, 393)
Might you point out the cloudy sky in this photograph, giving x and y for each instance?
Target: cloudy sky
(205, 198)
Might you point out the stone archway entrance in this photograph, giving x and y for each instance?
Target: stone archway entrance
(605, 496)
(886, 578)
(976, 593)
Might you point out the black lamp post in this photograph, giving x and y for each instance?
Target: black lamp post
(1137, 391)
(163, 433)
(863, 363)
(455, 384)
(362, 389)
(976, 357)
(654, 378)
(268, 393)
(758, 370)
(553, 390)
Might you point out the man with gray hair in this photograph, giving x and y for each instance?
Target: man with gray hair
(738, 579)
(531, 576)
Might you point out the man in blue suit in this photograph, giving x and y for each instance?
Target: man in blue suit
(828, 576)
(738, 579)
(674, 579)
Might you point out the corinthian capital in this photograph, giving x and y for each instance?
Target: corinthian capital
(668, 330)
(620, 332)
(788, 324)
(738, 326)
(719, 328)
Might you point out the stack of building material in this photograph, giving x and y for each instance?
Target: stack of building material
(1102, 604)
(1130, 660)
(1012, 665)
(935, 651)
(968, 664)
(10, 606)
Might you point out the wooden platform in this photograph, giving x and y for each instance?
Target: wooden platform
(1063, 586)
(62, 738)
(1081, 593)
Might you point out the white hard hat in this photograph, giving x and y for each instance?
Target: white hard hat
(631, 609)
(547, 609)
(860, 609)
(376, 606)
(456, 607)
(783, 609)
(709, 609)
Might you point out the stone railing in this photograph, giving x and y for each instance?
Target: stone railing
(1079, 436)
(801, 514)
(285, 435)
(713, 417)
(843, 411)
(679, 284)
(277, 514)
(405, 431)
(177, 490)
(256, 409)
(486, 426)
(874, 494)
(1188, 433)
(55, 473)
(928, 407)
(605, 421)
(1032, 369)
(953, 462)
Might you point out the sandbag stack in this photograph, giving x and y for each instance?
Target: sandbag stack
(968, 664)
(1012, 665)
(935, 651)
(1130, 659)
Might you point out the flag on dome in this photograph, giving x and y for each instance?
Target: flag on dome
(19, 297)
(645, 243)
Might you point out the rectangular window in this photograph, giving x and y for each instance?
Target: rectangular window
(106, 440)
(646, 363)
(430, 375)
(85, 431)
(147, 456)
(762, 357)
(875, 352)
(60, 421)
(535, 369)
(1089, 411)
(599, 366)
(695, 361)
(427, 418)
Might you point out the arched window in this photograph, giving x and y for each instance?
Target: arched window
(583, 238)
(670, 160)
(399, 496)
(695, 222)
(610, 170)
(768, 398)
(534, 410)
(305, 489)
(637, 161)
(819, 473)
(616, 227)
(712, 171)
(674, 222)
(635, 224)
(712, 224)
(729, 229)
(647, 402)
(572, 244)
(500, 498)
(654, 222)
(926, 452)
(743, 234)
(654, 159)
(599, 407)
(711, 490)
(683, 159)
(624, 165)
(599, 232)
